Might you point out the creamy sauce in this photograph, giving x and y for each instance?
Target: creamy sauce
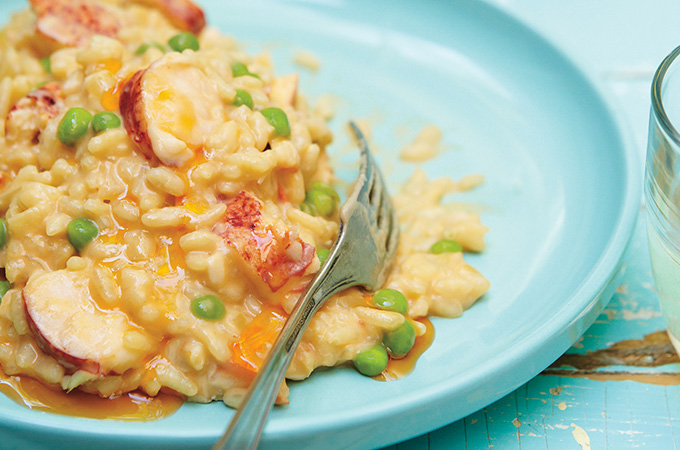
(133, 406)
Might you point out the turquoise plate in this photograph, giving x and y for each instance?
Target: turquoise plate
(561, 197)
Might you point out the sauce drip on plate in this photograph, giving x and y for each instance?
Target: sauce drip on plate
(399, 368)
(133, 406)
(136, 406)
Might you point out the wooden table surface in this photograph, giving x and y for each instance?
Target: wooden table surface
(618, 387)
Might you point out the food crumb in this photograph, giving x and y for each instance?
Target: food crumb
(562, 406)
(307, 59)
(516, 422)
(425, 146)
(469, 182)
(326, 106)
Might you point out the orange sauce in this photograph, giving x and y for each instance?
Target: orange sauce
(111, 64)
(171, 271)
(200, 157)
(257, 338)
(399, 368)
(136, 406)
(133, 406)
(195, 205)
(111, 97)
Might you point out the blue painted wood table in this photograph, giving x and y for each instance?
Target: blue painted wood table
(618, 387)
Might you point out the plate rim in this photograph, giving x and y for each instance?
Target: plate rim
(598, 286)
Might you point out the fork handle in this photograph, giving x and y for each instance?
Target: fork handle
(247, 424)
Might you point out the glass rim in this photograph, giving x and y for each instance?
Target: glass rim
(657, 102)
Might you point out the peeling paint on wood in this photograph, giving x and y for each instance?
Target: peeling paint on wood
(581, 437)
(654, 350)
(659, 379)
(556, 390)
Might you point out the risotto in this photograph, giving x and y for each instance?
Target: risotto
(167, 197)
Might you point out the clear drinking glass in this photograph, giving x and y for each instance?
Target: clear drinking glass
(662, 190)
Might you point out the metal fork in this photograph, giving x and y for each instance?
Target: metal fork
(362, 255)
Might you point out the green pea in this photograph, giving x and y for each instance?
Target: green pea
(4, 287)
(278, 119)
(4, 232)
(47, 64)
(307, 208)
(105, 121)
(400, 340)
(445, 246)
(147, 45)
(81, 232)
(390, 300)
(183, 41)
(321, 199)
(243, 98)
(371, 362)
(322, 254)
(322, 203)
(326, 188)
(238, 69)
(208, 307)
(73, 126)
